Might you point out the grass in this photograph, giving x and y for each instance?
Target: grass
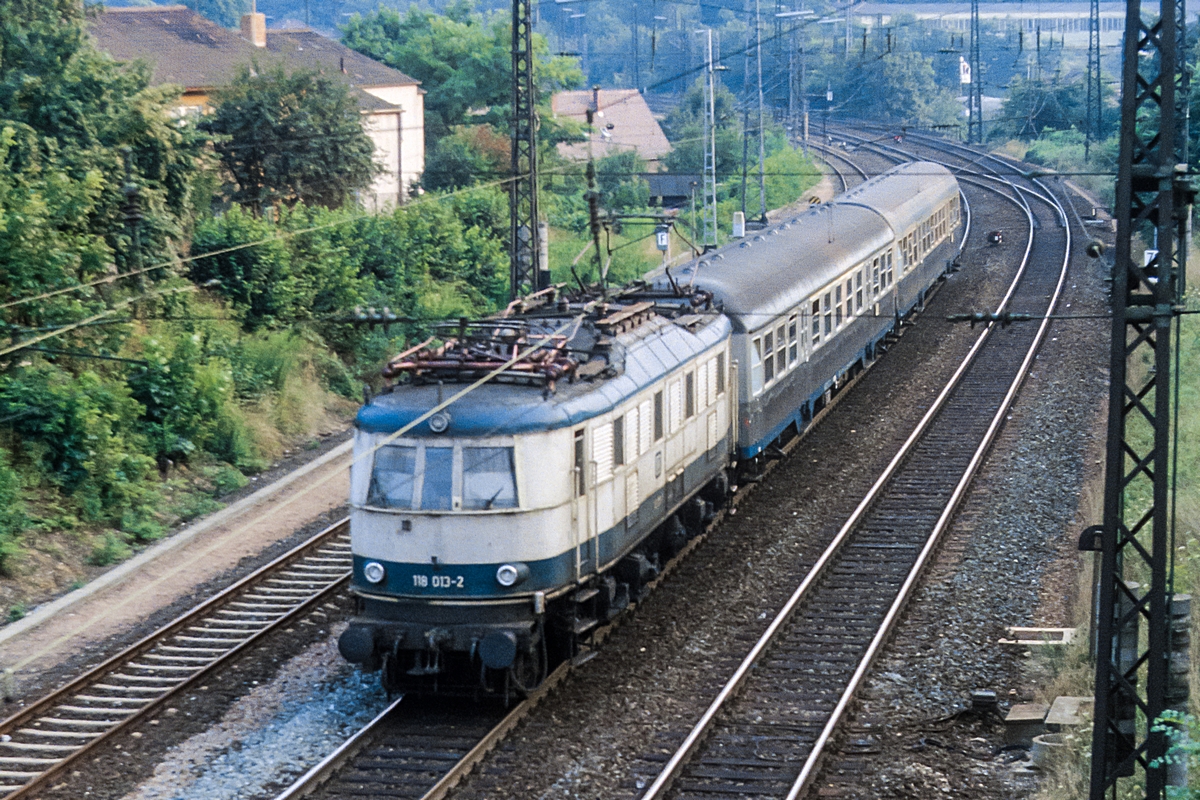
(1074, 676)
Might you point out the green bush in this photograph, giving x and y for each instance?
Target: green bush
(111, 549)
(12, 514)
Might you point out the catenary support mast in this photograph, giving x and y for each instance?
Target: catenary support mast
(1134, 679)
(975, 88)
(526, 273)
(1093, 121)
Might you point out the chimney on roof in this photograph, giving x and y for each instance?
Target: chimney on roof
(254, 28)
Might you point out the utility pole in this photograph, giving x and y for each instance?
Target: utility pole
(762, 148)
(1135, 681)
(710, 149)
(1093, 121)
(975, 90)
(526, 274)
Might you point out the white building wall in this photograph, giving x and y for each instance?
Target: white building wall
(411, 100)
(384, 128)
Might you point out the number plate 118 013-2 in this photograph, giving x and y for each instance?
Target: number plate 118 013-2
(439, 581)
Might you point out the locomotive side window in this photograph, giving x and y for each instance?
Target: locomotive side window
(756, 366)
(793, 343)
(816, 322)
(781, 349)
(658, 416)
(393, 477)
(437, 483)
(720, 373)
(689, 395)
(580, 474)
(645, 426)
(618, 441)
(488, 478)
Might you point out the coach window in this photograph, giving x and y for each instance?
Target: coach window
(849, 298)
(689, 395)
(828, 314)
(756, 366)
(858, 291)
(580, 475)
(781, 349)
(392, 478)
(875, 276)
(488, 478)
(816, 322)
(437, 480)
(768, 358)
(837, 305)
(658, 416)
(793, 342)
(618, 440)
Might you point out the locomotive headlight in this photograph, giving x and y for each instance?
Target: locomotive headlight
(439, 422)
(511, 574)
(374, 572)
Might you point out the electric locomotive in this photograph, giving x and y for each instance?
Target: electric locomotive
(493, 535)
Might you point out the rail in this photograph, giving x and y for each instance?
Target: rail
(821, 569)
(45, 738)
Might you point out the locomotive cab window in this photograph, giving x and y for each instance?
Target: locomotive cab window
(438, 479)
(488, 478)
(393, 478)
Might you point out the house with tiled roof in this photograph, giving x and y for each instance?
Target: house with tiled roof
(183, 48)
(623, 122)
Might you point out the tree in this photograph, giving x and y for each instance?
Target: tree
(66, 113)
(685, 128)
(288, 138)
(1035, 106)
(464, 63)
(621, 185)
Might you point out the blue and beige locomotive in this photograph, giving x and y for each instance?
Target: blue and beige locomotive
(598, 433)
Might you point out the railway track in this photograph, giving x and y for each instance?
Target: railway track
(765, 733)
(387, 759)
(59, 730)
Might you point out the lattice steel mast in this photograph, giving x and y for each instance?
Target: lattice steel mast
(1093, 122)
(975, 89)
(1134, 681)
(710, 149)
(524, 246)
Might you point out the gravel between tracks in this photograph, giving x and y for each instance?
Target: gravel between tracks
(654, 675)
(1009, 559)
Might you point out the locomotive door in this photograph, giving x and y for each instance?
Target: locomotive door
(581, 510)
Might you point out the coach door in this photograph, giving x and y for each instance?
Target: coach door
(581, 508)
